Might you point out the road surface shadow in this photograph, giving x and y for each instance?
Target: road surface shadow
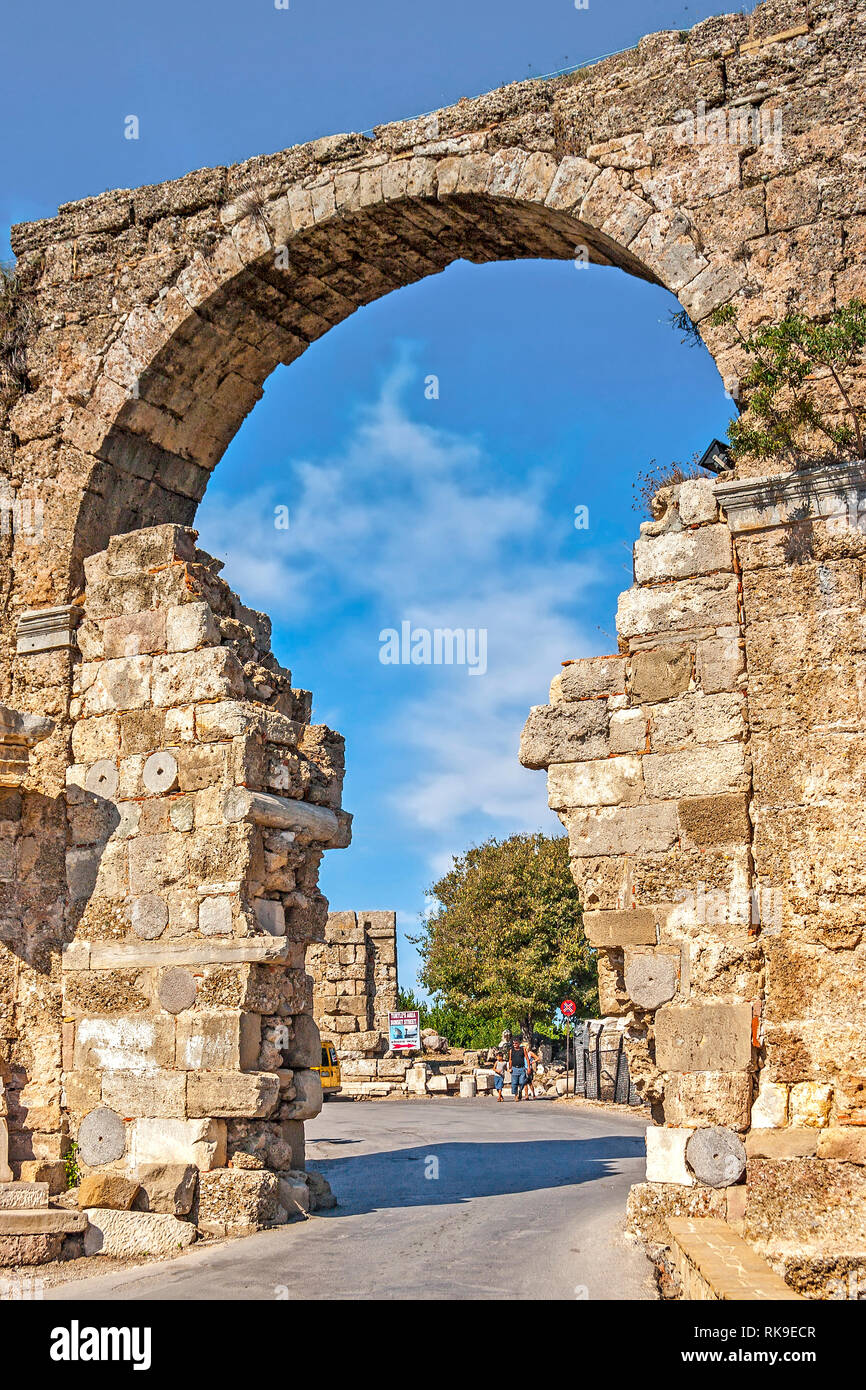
(448, 1173)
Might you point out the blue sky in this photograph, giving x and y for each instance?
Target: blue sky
(557, 386)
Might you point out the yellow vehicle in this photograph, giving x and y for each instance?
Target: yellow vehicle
(329, 1071)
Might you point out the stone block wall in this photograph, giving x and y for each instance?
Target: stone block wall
(199, 803)
(709, 775)
(354, 972)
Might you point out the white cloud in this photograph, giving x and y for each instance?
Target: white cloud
(413, 522)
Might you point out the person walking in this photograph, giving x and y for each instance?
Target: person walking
(517, 1061)
(499, 1075)
(532, 1060)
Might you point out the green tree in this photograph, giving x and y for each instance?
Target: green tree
(505, 938)
(788, 360)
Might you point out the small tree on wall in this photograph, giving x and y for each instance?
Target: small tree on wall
(506, 936)
(788, 360)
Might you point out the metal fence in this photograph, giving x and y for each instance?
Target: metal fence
(601, 1073)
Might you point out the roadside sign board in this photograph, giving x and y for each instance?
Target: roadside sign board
(404, 1031)
(568, 1008)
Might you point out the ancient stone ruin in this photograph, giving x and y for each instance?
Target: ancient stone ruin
(164, 797)
(354, 975)
(710, 775)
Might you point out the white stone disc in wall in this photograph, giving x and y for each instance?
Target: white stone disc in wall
(716, 1156)
(149, 916)
(160, 772)
(101, 1137)
(651, 980)
(102, 779)
(177, 991)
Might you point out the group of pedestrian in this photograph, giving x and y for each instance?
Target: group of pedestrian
(521, 1061)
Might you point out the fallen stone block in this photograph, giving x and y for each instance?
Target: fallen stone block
(235, 1201)
(294, 1193)
(111, 1190)
(125, 1233)
(167, 1188)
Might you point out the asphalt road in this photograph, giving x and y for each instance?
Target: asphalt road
(439, 1199)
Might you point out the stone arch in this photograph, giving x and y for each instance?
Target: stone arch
(157, 315)
(183, 372)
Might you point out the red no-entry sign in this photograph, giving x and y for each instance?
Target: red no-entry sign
(568, 1008)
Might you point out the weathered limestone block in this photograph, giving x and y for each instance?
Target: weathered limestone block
(682, 555)
(708, 769)
(702, 603)
(111, 1190)
(782, 1143)
(606, 782)
(622, 830)
(572, 731)
(719, 662)
(235, 1202)
(651, 1204)
(123, 1234)
(227, 1093)
(210, 674)
(660, 674)
(695, 1099)
(28, 1196)
(201, 1143)
(697, 719)
(308, 1096)
(704, 1037)
(22, 1251)
(590, 677)
(706, 821)
(810, 1104)
(228, 1040)
(666, 1155)
(168, 1188)
(146, 1094)
(634, 927)
(770, 1110)
(811, 1203)
(697, 501)
(628, 731)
